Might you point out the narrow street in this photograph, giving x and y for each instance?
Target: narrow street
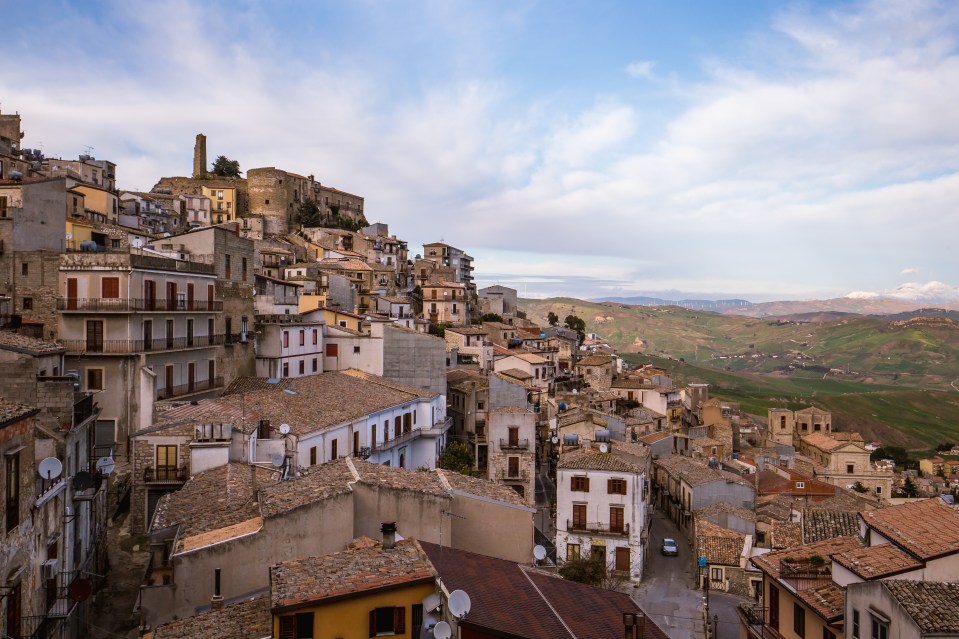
(668, 592)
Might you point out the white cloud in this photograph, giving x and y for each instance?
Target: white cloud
(640, 69)
(912, 270)
(914, 292)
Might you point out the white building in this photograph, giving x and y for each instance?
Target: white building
(601, 505)
(288, 348)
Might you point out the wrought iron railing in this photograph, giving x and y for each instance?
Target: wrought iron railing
(171, 474)
(518, 444)
(603, 528)
(186, 389)
(126, 305)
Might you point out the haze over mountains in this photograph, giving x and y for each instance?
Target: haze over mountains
(858, 305)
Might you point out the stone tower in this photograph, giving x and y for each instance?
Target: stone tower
(199, 157)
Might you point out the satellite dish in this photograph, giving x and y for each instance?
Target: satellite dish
(539, 553)
(106, 465)
(276, 459)
(50, 468)
(432, 602)
(555, 440)
(82, 480)
(80, 590)
(442, 630)
(604, 448)
(459, 604)
(284, 429)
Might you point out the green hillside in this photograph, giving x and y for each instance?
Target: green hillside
(888, 379)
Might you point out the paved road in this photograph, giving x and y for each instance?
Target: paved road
(668, 591)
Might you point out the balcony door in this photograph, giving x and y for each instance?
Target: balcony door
(579, 516)
(774, 607)
(169, 333)
(513, 436)
(191, 376)
(71, 293)
(166, 462)
(148, 335)
(168, 381)
(149, 295)
(512, 466)
(189, 297)
(95, 336)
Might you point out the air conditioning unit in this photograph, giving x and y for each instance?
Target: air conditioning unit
(48, 569)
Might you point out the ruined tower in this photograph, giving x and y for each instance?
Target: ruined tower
(199, 157)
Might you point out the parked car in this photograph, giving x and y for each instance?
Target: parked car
(670, 547)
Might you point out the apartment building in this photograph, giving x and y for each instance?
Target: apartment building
(198, 210)
(85, 168)
(456, 259)
(287, 346)
(512, 449)
(601, 505)
(139, 328)
(471, 345)
(223, 202)
(334, 202)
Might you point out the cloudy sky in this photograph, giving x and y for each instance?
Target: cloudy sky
(759, 149)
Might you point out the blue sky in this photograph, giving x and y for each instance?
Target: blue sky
(767, 150)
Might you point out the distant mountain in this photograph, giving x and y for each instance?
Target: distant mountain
(860, 306)
(715, 306)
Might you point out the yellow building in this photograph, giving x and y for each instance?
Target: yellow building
(222, 203)
(99, 203)
(370, 589)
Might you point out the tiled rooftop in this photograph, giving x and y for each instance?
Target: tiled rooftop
(595, 360)
(874, 562)
(696, 473)
(313, 484)
(822, 441)
(249, 619)
(934, 606)
(769, 563)
(506, 596)
(363, 566)
(926, 529)
(827, 599)
(720, 546)
(10, 411)
(15, 341)
(481, 487)
(819, 524)
(727, 508)
(770, 482)
(618, 460)
(785, 534)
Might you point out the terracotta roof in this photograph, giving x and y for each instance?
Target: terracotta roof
(480, 487)
(311, 485)
(363, 566)
(26, 344)
(934, 606)
(250, 619)
(618, 460)
(828, 600)
(819, 524)
(212, 500)
(720, 546)
(506, 596)
(516, 374)
(875, 562)
(14, 411)
(770, 562)
(343, 396)
(785, 534)
(595, 360)
(726, 508)
(629, 382)
(771, 482)
(467, 330)
(926, 529)
(530, 358)
(822, 441)
(652, 438)
(695, 473)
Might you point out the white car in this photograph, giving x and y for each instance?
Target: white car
(670, 547)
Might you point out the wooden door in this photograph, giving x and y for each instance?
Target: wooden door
(169, 380)
(149, 295)
(189, 297)
(774, 607)
(71, 293)
(622, 558)
(95, 336)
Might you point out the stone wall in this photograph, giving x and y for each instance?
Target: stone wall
(144, 456)
(40, 286)
(192, 186)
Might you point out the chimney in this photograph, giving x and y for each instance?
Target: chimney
(389, 534)
(217, 602)
(634, 624)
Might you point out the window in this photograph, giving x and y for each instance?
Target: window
(616, 518)
(616, 486)
(572, 552)
(314, 364)
(298, 626)
(334, 449)
(774, 607)
(387, 621)
(356, 350)
(850, 469)
(315, 336)
(579, 516)
(512, 467)
(622, 559)
(243, 268)
(94, 379)
(302, 337)
(855, 624)
(28, 303)
(267, 202)
(24, 269)
(286, 369)
(286, 339)
(110, 287)
(3, 206)
(799, 620)
(332, 350)
(827, 634)
(782, 422)
(579, 484)
(11, 491)
(407, 422)
(878, 490)
(880, 628)
(800, 485)
(302, 367)
(716, 574)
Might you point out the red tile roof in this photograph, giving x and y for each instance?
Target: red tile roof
(926, 529)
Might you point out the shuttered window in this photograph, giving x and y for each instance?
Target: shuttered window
(616, 486)
(579, 484)
(110, 287)
(387, 621)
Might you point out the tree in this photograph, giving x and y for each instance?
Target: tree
(308, 214)
(896, 453)
(552, 318)
(576, 324)
(457, 457)
(438, 329)
(859, 488)
(491, 317)
(593, 572)
(909, 488)
(944, 446)
(225, 167)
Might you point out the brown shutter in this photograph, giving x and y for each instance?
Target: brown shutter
(288, 627)
(373, 622)
(572, 483)
(399, 621)
(609, 487)
(110, 287)
(586, 482)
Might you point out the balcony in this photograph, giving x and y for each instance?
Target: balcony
(504, 474)
(805, 573)
(84, 407)
(752, 617)
(136, 305)
(186, 389)
(514, 444)
(597, 527)
(165, 475)
(136, 346)
(364, 452)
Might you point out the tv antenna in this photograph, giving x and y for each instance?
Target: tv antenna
(87, 149)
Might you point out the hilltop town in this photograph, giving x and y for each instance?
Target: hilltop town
(236, 407)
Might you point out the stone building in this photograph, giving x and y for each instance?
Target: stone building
(512, 449)
(275, 195)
